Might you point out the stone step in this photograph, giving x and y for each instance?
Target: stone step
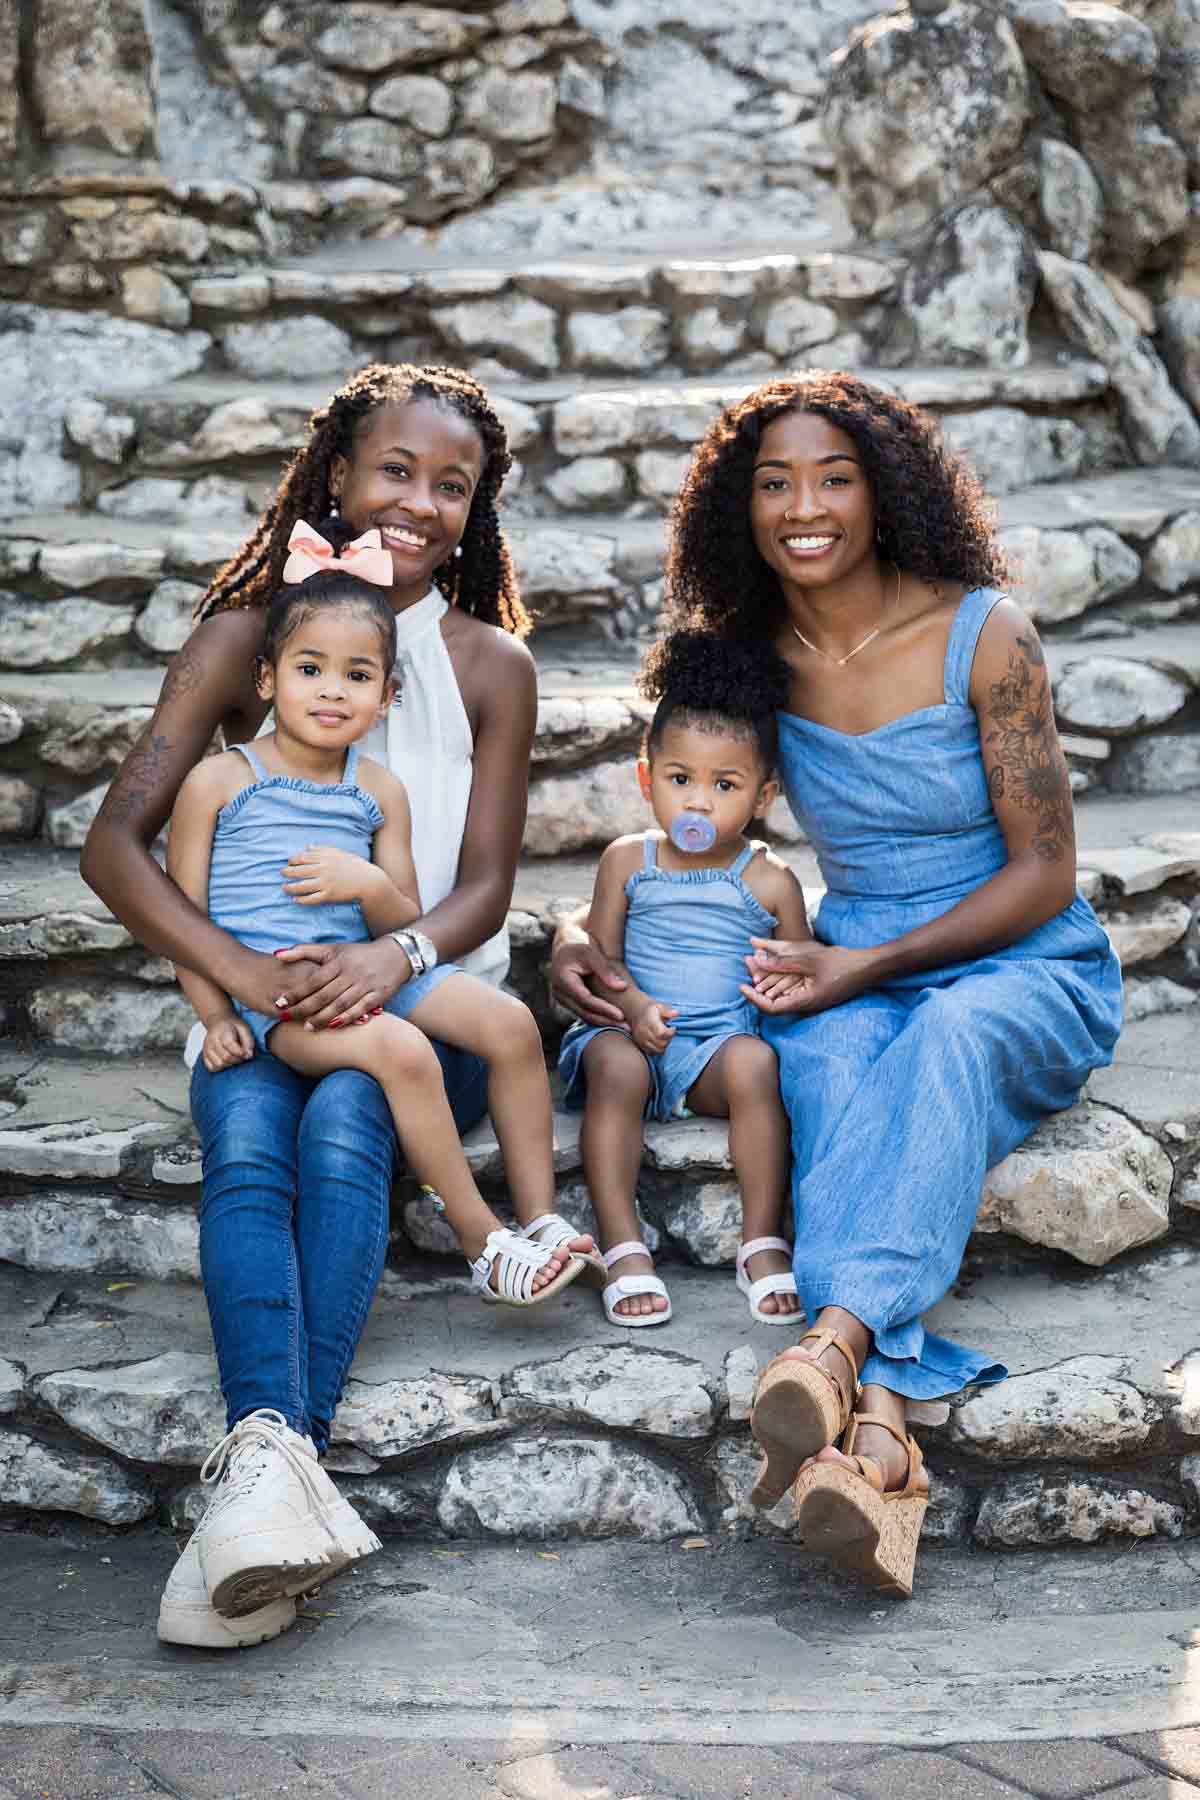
(460, 1421)
(583, 444)
(90, 590)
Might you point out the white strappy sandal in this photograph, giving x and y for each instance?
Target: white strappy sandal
(554, 1232)
(625, 1287)
(756, 1291)
(517, 1260)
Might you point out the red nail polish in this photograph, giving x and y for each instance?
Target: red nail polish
(285, 1015)
(277, 953)
(375, 1011)
(336, 1026)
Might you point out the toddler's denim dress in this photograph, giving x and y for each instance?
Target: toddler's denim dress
(687, 937)
(272, 820)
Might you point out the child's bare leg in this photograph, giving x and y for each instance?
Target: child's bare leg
(618, 1081)
(741, 1083)
(475, 1016)
(401, 1059)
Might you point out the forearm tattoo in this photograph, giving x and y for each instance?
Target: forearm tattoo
(139, 777)
(1027, 766)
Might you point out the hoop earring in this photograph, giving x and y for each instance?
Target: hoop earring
(335, 511)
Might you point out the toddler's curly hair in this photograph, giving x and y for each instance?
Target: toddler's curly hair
(701, 678)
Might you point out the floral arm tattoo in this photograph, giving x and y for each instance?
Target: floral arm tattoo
(1026, 764)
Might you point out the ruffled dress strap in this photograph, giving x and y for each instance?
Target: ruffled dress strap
(745, 857)
(253, 758)
(973, 612)
(649, 853)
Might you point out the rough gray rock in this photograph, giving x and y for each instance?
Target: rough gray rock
(1116, 695)
(630, 341)
(571, 728)
(395, 1418)
(1088, 55)
(86, 1234)
(165, 1410)
(375, 147)
(1086, 1181)
(1168, 762)
(44, 635)
(551, 1487)
(365, 37)
(82, 1148)
(20, 807)
(589, 481)
(146, 293)
(149, 497)
(165, 622)
(1059, 574)
(104, 738)
(1009, 448)
(1179, 337)
(563, 569)
(1035, 1509)
(68, 825)
(44, 1478)
(707, 1222)
(660, 473)
(1159, 424)
(1146, 999)
(969, 293)
(792, 325)
(304, 345)
(92, 75)
(12, 1385)
(1081, 1409)
(119, 1018)
(89, 562)
(1070, 200)
(921, 113)
(1174, 560)
(512, 326)
(584, 809)
(1140, 937)
(516, 109)
(626, 1387)
(419, 100)
(48, 357)
(1142, 174)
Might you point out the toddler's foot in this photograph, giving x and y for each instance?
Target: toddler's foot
(636, 1306)
(772, 1262)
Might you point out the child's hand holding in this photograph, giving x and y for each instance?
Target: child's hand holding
(651, 1030)
(229, 1040)
(320, 873)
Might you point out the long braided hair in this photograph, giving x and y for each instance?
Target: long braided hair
(482, 581)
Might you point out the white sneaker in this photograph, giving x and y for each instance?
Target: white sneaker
(186, 1616)
(277, 1525)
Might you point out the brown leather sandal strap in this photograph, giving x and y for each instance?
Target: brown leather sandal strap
(828, 1339)
(861, 1418)
(916, 1461)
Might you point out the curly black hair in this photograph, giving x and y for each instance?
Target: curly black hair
(931, 515)
(703, 679)
(482, 581)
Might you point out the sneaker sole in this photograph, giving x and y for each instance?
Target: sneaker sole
(195, 1626)
(248, 1574)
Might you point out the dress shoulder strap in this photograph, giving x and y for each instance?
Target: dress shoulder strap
(649, 851)
(745, 857)
(350, 772)
(969, 620)
(252, 757)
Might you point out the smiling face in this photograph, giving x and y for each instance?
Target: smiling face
(329, 682)
(812, 512)
(716, 773)
(412, 472)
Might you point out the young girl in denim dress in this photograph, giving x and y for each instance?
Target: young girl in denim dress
(676, 909)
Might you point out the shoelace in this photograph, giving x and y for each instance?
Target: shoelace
(262, 1430)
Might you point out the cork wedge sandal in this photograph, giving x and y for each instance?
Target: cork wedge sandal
(800, 1406)
(844, 1512)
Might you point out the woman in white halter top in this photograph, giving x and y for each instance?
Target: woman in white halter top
(294, 1215)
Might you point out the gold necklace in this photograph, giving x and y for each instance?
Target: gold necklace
(839, 662)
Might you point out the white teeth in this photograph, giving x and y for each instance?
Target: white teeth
(809, 543)
(400, 536)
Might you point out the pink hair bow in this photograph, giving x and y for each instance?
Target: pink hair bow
(311, 554)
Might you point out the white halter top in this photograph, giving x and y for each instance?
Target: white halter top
(426, 741)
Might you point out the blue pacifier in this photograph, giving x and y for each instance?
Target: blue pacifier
(693, 833)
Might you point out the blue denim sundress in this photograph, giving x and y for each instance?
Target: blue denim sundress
(271, 820)
(687, 937)
(902, 1099)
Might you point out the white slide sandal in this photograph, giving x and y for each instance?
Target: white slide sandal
(625, 1287)
(517, 1260)
(554, 1232)
(756, 1291)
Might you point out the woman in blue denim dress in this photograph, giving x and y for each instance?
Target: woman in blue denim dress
(958, 988)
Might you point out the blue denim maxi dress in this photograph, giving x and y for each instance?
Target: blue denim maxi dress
(903, 1098)
(273, 819)
(687, 937)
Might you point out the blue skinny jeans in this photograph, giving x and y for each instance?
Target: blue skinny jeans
(294, 1224)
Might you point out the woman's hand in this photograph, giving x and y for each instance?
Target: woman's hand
(228, 1040)
(805, 977)
(321, 873)
(575, 965)
(352, 979)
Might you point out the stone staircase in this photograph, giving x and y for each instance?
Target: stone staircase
(458, 1421)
